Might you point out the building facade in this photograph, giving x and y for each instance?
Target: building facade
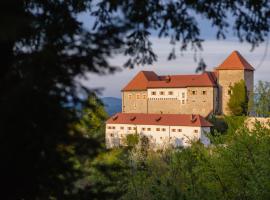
(162, 130)
(203, 94)
(170, 110)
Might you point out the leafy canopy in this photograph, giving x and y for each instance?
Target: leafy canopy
(262, 99)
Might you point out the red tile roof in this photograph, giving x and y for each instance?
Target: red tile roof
(235, 61)
(159, 119)
(149, 79)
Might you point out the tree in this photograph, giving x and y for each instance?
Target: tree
(262, 99)
(44, 49)
(238, 102)
(237, 169)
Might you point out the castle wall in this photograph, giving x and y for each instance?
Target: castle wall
(191, 100)
(134, 101)
(249, 79)
(198, 100)
(203, 102)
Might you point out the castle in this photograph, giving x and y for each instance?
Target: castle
(187, 98)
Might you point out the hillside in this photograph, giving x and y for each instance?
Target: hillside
(112, 105)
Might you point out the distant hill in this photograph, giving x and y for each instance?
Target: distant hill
(112, 105)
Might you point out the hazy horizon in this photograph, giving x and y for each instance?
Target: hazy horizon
(214, 52)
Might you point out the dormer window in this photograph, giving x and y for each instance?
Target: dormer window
(183, 95)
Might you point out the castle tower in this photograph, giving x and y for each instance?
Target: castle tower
(233, 69)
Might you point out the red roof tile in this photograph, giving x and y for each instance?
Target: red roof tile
(235, 61)
(140, 81)
(159, 119)
(148, 79)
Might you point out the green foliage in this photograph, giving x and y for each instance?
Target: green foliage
(132, 140)
(234, 123)
(219, 123)
(237, 169)
(262, 99)
(238, 102)
(107, 176)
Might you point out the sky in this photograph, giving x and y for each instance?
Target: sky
(214, 52)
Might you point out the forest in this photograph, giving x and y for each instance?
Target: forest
(50, 148)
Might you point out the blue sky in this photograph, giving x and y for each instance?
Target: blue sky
(214, 52)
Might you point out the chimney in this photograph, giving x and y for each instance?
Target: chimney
(115, 117)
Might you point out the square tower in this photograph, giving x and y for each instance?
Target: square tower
(233, 69)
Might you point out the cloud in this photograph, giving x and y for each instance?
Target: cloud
(214, 52)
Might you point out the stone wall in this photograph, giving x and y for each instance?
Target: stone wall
(250, 121)
(249, 79)
(134, 102)
(202, 102)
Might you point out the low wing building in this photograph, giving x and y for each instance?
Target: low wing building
(161, 129)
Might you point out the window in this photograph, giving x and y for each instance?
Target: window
(195, 131)
(129, 128)
(134, 128)
(111, 134)
(204, 92)
(183, 101)
(157, 129)
(183, 95)
(194, 92)
(143, 129)
(163, 129)
(161, 138)
(153, 93)
(161, 93)
(113, 127)
(138, 96)
(149, 129)
(229, 92)
(122, 128)
(170, 92)
(109, 127)
(129, 96)
(144, 96)
(173, 130)
(179, 130)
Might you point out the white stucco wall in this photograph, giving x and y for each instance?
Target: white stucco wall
(178, 93)
(166, 134)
